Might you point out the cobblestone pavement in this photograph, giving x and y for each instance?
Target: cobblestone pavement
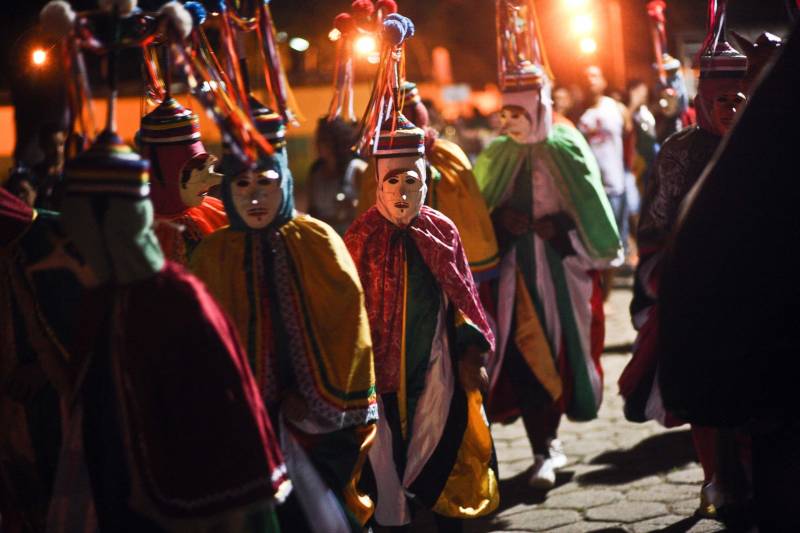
(621, 476)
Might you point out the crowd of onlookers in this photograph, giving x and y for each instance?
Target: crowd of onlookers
(624, 129)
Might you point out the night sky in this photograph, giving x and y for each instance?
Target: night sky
(465, 27)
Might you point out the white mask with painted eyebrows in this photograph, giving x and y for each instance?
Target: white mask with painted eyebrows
(401, 193)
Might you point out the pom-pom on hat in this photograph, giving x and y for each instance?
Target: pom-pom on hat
(170, 123)
(108, 168)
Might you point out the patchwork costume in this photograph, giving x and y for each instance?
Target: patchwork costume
(547, 302)
(153, 464)
(678, 167)
(433, 442)
(297, 303)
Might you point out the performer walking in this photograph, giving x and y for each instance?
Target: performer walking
(428, 327)
(556, 229)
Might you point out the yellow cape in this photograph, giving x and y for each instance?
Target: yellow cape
(330, 302)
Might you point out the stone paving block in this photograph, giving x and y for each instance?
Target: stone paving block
(582, 499)
(706, 526)
(540, 519)
(513, 469)
(585, 447)
(661, 522)
(686, 507)
(661, 492)
(627, 512)
(515, 453)
(587, 527)
(692, 475)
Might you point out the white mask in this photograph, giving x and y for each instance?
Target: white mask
(401, 189)
(257, 197)
(536, 104)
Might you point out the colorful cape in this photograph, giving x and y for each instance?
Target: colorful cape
(172, 346)
(453, 191)
(197, 222)
(443, 456)
(677, 168)
(316, 301)
(566, 155)
(376, 248)
(564, 297)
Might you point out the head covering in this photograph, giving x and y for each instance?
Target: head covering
(722, 67)
(170, 137)
(758, 52)
(395, 142)
(400, 145)
(273, 127)
(107, 213)
(523, 72)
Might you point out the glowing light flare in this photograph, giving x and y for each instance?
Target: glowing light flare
(298, 44)
(365, 45)
(573, 4)
(374, 58)
(39, 57)
(588, 46)
(582, 24)
(334, 35)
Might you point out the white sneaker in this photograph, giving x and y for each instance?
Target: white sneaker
(557, 454)
(544, 474)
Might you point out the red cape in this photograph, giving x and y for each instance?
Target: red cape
(196, 430)
(377, 249)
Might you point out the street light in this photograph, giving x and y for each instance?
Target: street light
(39, 57)
(582, 24)
(365, 45)
(334, 35)
(588, 45)
(298, 44)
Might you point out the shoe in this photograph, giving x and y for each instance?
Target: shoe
(557, 454)
(544, 474)
(708, 495)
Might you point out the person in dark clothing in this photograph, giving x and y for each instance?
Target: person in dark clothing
(729, 337)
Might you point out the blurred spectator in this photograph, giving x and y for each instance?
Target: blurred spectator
(644, 125)
(22, 184)
(603, 123)
(563, 103)
(332, 187)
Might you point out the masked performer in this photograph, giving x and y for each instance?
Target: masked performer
(294, 295)
(429, 332)
(678, 167)
(452, 189)
(182, 174)
(555, 228)
(167, 437)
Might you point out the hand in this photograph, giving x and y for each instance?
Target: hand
(545, 228)
(25, 382)
(515, 222)
(294, 406)
(471, 373)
